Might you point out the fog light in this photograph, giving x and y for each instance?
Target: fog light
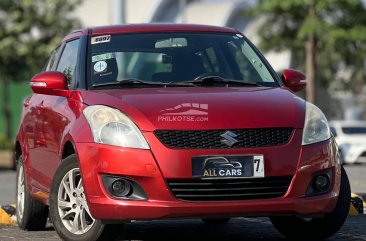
(121, 188)
(321, 182)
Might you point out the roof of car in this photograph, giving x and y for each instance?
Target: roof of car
(153, 27)
(150, 27)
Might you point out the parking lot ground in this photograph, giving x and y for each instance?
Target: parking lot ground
(357, 176)
(248, 229)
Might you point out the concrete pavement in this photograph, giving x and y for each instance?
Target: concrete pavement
(7, 187)
(248, 229)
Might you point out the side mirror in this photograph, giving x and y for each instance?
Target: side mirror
(50, 83)
(294, 80)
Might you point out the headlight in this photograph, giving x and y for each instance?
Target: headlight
(316, 126)
(110, 126)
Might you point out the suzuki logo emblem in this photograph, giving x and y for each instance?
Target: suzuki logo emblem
(228, 138)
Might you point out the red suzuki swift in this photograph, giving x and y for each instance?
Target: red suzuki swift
(144, 122)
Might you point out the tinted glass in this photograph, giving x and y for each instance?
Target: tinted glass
(51, 62)
(68, 60)
(354, 130)
(173, 57)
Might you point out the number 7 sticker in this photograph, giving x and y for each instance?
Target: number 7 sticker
(258, 166)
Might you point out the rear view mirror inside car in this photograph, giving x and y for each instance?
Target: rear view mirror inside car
(171, 43)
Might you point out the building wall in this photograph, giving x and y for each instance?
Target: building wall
(97, 12)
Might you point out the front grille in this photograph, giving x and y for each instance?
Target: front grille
(229, 189)
(212, 139)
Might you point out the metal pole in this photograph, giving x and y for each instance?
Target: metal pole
(182, 7)
(119, 17)
(119, 11)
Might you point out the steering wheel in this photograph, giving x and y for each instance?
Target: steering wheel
(213, 74)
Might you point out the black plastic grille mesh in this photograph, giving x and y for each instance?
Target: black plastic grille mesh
(212, 139)
(229, 189)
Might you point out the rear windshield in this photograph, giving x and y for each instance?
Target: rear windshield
(174, 57)
(354, 130)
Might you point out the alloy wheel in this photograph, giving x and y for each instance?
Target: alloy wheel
(71, 203)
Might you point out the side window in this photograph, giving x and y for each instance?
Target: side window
(68, 60)
(52, 60)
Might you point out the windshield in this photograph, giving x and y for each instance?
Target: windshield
(175, 57)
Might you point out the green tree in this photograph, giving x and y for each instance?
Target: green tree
(29, 30)
(322, 35)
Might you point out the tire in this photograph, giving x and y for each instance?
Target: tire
(215, 221)
(72, 205)
(318, 228)
(31, 214)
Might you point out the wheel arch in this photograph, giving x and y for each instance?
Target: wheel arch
(68, 149)
(17, 152)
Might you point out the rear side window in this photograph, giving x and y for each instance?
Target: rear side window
(68, 60)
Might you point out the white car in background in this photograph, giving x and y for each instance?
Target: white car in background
(351, 139)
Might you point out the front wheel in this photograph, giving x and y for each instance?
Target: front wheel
(69, 210)
(318, 228)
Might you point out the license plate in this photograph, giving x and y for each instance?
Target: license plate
(228, 166)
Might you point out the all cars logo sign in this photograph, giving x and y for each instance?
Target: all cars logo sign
(221, 167)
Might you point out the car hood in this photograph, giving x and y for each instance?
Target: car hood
(194, 108)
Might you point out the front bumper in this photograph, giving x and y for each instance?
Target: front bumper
(108, 209)
(147, 169)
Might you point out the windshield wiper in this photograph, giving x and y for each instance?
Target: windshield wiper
(133, 81)
(130, 81)
(137, 81)
(209, 80)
